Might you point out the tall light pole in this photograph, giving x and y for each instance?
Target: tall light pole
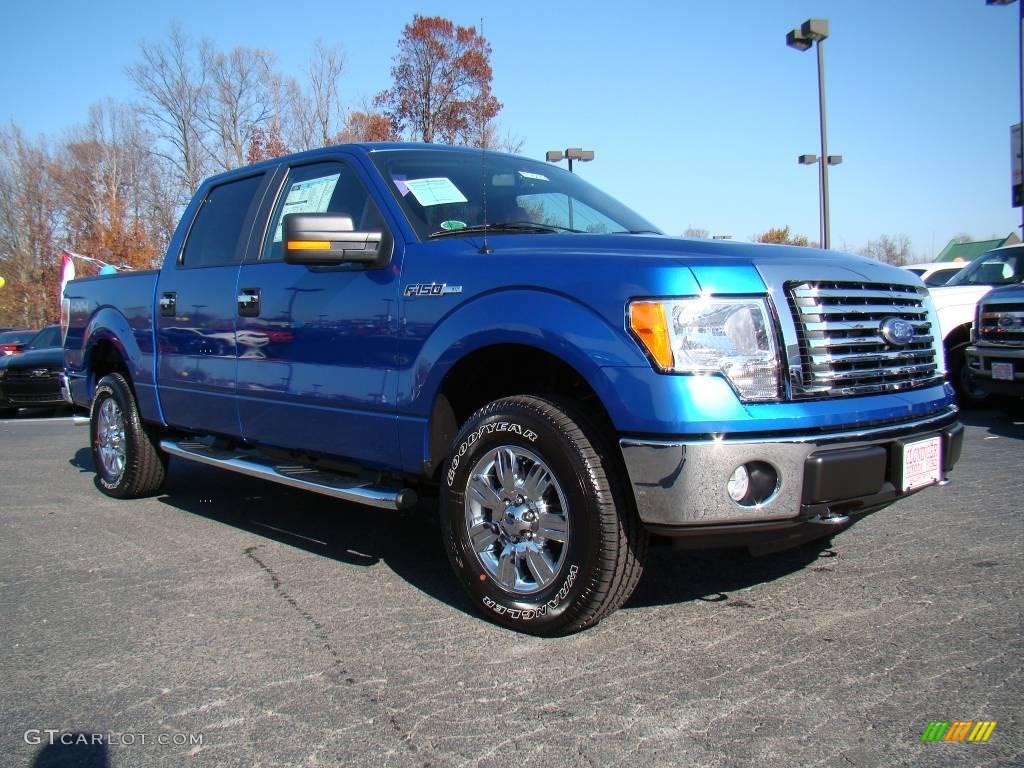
(801, 38)
(1018, 192)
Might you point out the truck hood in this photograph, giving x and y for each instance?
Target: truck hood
(48, 357)
(713, 262)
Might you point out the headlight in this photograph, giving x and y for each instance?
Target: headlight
(732, 337)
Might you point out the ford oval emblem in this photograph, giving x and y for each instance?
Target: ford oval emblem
(897, 331)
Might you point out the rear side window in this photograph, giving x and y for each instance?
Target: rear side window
(217, 228)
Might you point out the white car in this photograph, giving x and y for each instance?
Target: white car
(935, 273)
(955, 303)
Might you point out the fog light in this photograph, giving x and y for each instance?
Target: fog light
(739, 484)
(753, 483)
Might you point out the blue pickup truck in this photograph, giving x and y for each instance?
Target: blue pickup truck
(369, 321)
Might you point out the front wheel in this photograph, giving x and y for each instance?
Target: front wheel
(968, 393)
(126, 455)
(536, 519)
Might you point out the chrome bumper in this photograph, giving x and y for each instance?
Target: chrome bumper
(65, 390)
(680, 483)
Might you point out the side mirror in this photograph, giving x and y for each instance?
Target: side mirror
(327, 238)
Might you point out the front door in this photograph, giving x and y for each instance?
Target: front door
(316, 345)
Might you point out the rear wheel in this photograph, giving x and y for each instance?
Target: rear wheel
(536, 520)
(125, 453)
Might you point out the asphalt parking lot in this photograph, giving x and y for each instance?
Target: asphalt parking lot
(230, 622)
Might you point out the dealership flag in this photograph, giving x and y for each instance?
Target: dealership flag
(67, 271)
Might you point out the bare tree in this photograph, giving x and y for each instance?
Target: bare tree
(892, 249)
(28, 225)
(239, 99)
(173, 92)
(314, 115)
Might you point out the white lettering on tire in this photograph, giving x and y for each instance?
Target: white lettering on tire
(539, 611)
(486, 429)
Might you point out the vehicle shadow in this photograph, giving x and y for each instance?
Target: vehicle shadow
(996, 422)
(673, 576)
(409, 541)
(73, 750)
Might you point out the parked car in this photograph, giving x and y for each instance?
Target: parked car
(362, 320)
(995, 358)
(12, 342)
(936, 273)
(956, 303)
(32, 378)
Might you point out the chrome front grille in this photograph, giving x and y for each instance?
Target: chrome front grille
(841, 346)
(1002, 323)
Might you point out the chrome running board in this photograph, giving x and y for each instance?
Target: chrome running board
(360, 489)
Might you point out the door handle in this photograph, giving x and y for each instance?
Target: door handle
(168, 304)
(249, 302)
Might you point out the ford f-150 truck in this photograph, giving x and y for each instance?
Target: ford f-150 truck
(368, 320)
(995, 358)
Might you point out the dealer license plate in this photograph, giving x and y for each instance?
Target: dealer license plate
(1003, 371)
(922, 463)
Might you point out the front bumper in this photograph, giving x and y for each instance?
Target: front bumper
(979, 362)
(23, 391)
(680, 485)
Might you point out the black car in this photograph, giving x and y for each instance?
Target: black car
(32, 378)
(12, 341)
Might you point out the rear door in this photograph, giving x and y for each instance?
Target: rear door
(195, 313)
(316, 344)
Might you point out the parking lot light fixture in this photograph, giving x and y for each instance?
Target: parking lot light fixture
(570, 154)
(802, 38)
(1020, 55)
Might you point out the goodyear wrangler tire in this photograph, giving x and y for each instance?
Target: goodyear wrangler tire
(126, 455)
(536, 519)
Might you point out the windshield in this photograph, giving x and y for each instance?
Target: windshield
(48, 337)
(442, 193)
(1003, 266)
(16, 337)
(941, 277)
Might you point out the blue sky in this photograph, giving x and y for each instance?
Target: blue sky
(696, 109)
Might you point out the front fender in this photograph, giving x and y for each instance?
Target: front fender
(552, 322)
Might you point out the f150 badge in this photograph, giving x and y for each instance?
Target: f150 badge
(431, 289)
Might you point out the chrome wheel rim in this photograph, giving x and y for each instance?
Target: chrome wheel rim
(110, 439)
(516, 519)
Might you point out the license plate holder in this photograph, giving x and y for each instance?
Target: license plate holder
(1002, 371)
(920, 463)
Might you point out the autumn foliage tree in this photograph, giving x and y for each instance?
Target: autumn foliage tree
(781, 236)
(441, 83)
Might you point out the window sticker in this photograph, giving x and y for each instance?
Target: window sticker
(436, 191)
(311, 196)
(453, 224)
(399, 179)
(537, 176)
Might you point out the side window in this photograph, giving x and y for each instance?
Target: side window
(321, 188)
(215, 232)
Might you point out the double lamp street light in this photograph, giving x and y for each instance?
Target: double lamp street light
(801, 38)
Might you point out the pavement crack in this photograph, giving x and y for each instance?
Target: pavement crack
(319, 631)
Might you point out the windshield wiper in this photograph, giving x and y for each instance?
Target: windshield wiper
(635, 232)
(503, 227)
